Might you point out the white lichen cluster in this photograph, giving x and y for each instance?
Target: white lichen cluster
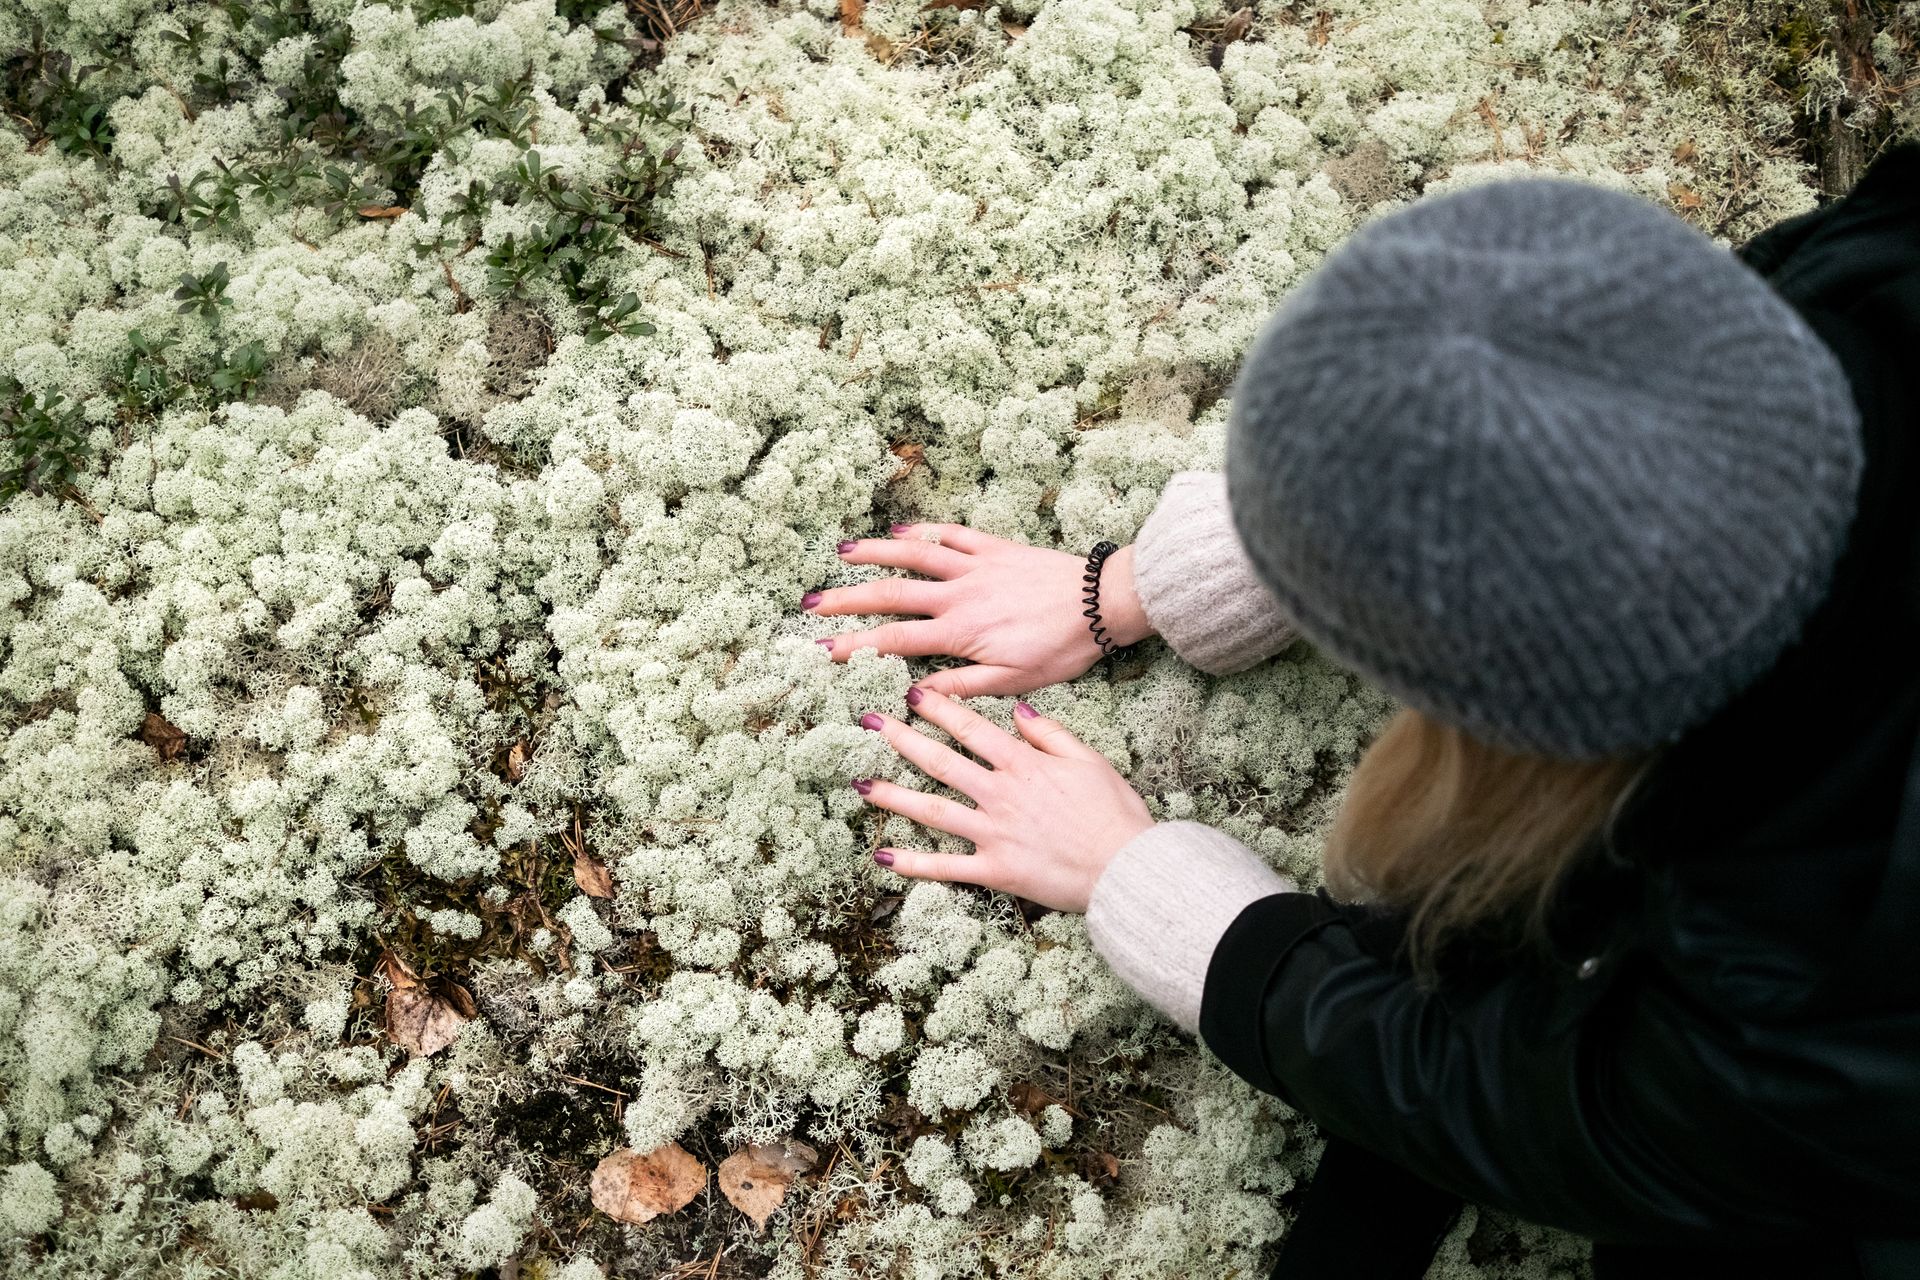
(1032, 241)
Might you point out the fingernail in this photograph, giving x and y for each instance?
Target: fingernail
(1021, 708)
(899, 528)
(883, 856)
(825, 642)
(914, 695)
(810, 599)
(863, 785)
(871, 720)
(846, 547)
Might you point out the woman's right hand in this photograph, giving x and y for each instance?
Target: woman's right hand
(1013, 611)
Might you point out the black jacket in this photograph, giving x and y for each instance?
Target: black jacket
(1725, 1042)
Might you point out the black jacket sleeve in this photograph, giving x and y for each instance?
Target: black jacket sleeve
(1485, 1090)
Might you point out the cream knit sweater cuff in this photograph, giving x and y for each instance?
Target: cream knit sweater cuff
(1196, 584)
(1162, 904)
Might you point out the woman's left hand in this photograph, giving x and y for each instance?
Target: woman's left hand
(1048, 815)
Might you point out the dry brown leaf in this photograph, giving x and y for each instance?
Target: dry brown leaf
(591, 875)
(1013, 29)
(1238, 23)
(400, 974)
(1684, 152)
(422, 1023)
(630, 1187)
(1101, 1168)
(157, 733)
(457, 996)
(755, 1180)
(381, 210)
(852, 14)
(1684, 197)
(911, 455)
(953, 4)
(517, 757)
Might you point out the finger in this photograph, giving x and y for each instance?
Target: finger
(965, 726)
(907, 639)
(911, 554)
(940, 762)
(924, 808)
(957, 536)
(1050, 736)
(964, 868)
(976, 680)
(885, 595)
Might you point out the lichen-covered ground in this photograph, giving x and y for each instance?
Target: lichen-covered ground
(412, 639)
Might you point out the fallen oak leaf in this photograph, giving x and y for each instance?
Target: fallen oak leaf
(755, 1179)
(630, 1187)
(381, 210)
(422, 1023)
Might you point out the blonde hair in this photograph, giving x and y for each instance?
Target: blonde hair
(1463, 835)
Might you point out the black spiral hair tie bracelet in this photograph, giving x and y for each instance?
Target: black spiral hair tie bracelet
(1095, 559)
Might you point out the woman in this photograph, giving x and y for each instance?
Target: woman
(1627, 939)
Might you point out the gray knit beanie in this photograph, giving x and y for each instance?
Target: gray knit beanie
(1545, 463)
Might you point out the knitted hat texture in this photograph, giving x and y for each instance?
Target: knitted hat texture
(1546, 463)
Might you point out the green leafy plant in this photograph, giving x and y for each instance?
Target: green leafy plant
(145, 382)
(242, 368)
(223, 83)
(82, 128)
(615, 319)
(507, 112)
(345, 193)
(207, 200)
(512, 262)
(42, 88)
(46, 442)
(204, 294)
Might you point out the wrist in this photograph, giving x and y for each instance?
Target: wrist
(1120, 609)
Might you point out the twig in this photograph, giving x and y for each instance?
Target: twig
(592, 1085)
(195, 1044)
(1485, 108)
(460, 302)
(185, 110)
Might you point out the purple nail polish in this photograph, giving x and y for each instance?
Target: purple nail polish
(883, 856)
(1022, 708)
(914, 695)
(899, 528)
(863, 785)
(825, 642)
(846, 547)
(810, 599)
(871, 720)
